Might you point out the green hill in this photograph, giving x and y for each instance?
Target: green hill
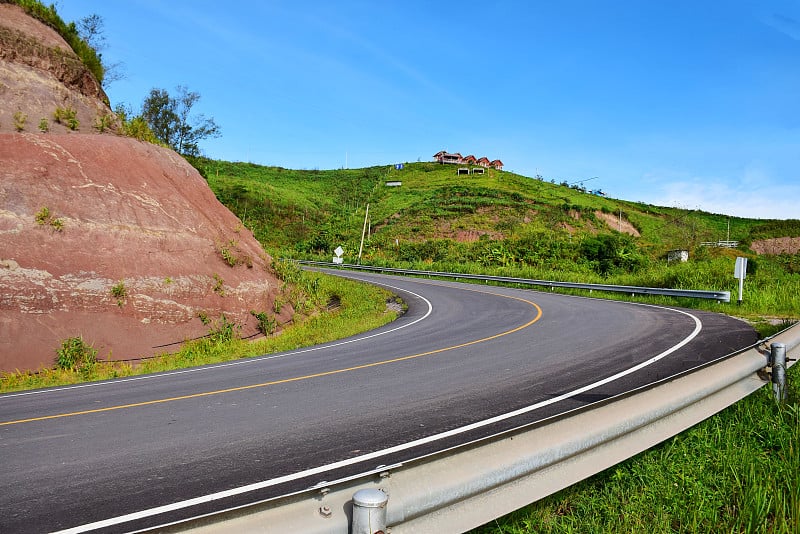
(428, 216)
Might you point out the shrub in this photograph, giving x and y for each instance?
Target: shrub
(223, 331)
(219, 285)
(43, 216)
(19, 121)
(67, 116)
(102, 122)
(120, 292)
(76, 355)
(44, 125)
(266, 324)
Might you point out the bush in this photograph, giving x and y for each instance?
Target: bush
(67, 117)
(120, 292)
(19, 121)
(266, 324)
(76, 355)
(223, 330)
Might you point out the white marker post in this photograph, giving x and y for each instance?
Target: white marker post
(740, 271)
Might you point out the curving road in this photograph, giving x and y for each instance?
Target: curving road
(465, 361)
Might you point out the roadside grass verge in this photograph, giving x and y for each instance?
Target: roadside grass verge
(360, 307)
(738, 471)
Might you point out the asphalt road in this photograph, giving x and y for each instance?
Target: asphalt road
(464, 361)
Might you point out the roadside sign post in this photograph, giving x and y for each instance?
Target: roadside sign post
(740, 271)
(338, 258)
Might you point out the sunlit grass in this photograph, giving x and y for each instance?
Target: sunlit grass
(361, 307)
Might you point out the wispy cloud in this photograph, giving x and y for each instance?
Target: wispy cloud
(752, 196)
(784, 24)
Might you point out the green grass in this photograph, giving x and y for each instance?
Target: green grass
(359, 307)
(738, 471)
(312, 210)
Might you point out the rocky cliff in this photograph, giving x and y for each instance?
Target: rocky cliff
(101, 236)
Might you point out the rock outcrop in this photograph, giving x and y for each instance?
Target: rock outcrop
(105, 237)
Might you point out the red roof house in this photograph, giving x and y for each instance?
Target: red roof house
(445, 157)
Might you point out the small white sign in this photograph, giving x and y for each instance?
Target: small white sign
(740, 270)
(339, 251)
(338, 259)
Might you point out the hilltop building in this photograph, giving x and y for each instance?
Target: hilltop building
(444, 156)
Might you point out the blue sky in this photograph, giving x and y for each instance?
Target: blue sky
(694, 104)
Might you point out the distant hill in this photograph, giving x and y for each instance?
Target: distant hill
(430, 208)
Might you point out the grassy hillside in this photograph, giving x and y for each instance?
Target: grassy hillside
(501, 222)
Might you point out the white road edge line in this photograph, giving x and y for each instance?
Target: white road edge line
(377, 454)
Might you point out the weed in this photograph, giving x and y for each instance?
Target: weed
(168, 280)
(102, 122)
(67, 116)
(219, 285)
(44, 125)
(228, 256)
(19, 121)
(266, 324)
(76, 355)
(43, 216)
(223, 330)
(203, 316)
(120, 292)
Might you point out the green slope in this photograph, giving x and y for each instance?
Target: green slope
(290, 207)
(501, 222)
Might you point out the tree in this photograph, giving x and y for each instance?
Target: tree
(171, 120)
(92, 30)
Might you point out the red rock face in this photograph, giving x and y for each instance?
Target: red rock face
(119, 212)
(104, 237)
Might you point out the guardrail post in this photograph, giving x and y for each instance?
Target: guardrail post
(778, 363)
(369, 512)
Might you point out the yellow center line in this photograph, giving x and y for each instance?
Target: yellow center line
(287, 380)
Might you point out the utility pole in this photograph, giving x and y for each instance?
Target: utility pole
(363, 231)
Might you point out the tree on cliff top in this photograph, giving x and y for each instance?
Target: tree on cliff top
(171, 121)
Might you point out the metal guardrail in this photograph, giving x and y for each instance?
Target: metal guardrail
(462, 488)
(720, 296)
(722, 244)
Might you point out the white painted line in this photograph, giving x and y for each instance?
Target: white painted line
(377, 454)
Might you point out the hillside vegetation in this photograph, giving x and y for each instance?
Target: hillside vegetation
(502, 222)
